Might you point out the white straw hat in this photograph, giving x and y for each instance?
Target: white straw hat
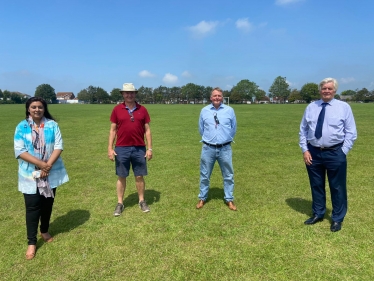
(128, 87)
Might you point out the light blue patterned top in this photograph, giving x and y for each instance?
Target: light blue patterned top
(23, 143)
(217, 133)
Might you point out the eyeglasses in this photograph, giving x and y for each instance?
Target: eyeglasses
(131, 116)
(216, 119)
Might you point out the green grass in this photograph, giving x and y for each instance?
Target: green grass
(264, 240)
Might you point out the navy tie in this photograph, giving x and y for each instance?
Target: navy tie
(321, 117)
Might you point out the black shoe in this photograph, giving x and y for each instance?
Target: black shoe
(313, 220)
(336, 226)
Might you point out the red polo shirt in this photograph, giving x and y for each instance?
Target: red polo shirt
(130, 133)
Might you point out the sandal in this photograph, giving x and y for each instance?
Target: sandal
(47, 237)
(30, 253)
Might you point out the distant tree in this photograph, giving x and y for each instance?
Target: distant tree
(348, 93)
(245, 90)
(102, 96)
(83, 95)
(1, 93)
(94, 95)
(280, 88)
(226, 93)
(294, 96)
(261, 95)
(371, 96)
(46, 92)
(199, 95)
(6, 95)
(189, 91)
(175, 94)
(16, 97)
(160, 94)
(362, 95)
(145, 95)
(116, 95)
(236, 97)
(91, 91)
(310, 92)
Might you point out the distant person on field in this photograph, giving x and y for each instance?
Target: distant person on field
(327, 134)
(217, 126)
(37, 146)
(130, 123)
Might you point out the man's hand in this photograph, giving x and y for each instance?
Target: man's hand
(111, 154)
(307, 158)
(148, 154)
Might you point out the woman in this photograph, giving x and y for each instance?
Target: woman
(37, 146)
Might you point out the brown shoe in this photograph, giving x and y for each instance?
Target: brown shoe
(200, 204)
(47, 237)
(30, 253)
(231, 205)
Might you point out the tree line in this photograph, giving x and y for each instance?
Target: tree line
(243, 92)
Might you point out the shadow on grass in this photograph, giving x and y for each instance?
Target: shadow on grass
(67, 222)
(150, 196)
(215, 193)
(303, 206)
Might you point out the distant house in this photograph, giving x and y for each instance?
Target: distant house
(345, 98)
(65, 96)
(25, 96)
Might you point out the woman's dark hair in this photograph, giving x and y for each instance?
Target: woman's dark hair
(34, 99)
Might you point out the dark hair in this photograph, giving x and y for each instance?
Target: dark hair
(34, 99)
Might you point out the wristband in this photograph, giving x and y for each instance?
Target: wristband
(150, 149)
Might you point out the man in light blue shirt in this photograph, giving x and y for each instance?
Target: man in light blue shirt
(217, 126)
(327, 133)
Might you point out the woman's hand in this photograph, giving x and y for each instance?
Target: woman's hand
(44, 174)
(44, 166)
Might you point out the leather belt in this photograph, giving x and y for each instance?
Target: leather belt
(327, 148)
(217, 145)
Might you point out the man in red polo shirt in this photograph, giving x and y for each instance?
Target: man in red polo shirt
(129, 124)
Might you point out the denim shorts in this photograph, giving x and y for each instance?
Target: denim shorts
(134, 155)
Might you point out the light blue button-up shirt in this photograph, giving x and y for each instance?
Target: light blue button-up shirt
(338, 126)
(217, 133)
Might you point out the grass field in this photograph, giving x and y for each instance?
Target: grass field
(264, 240)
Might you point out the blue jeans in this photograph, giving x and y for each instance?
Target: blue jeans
(209, 155)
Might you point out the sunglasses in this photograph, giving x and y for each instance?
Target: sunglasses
(131, 117)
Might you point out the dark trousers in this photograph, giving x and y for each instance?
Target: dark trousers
(37, 208)
(334, 163)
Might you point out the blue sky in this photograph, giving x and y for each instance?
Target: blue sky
(105, 43)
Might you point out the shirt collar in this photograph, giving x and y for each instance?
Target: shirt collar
(137, 106)
(329, 103)
(220, 106)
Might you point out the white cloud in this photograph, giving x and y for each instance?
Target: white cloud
(203, 28)
(263, 24)
(244, 24)
(170, 78)
(347, 80)
(186, 74)
(286, 2)
(146, 73)
(291, 84)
